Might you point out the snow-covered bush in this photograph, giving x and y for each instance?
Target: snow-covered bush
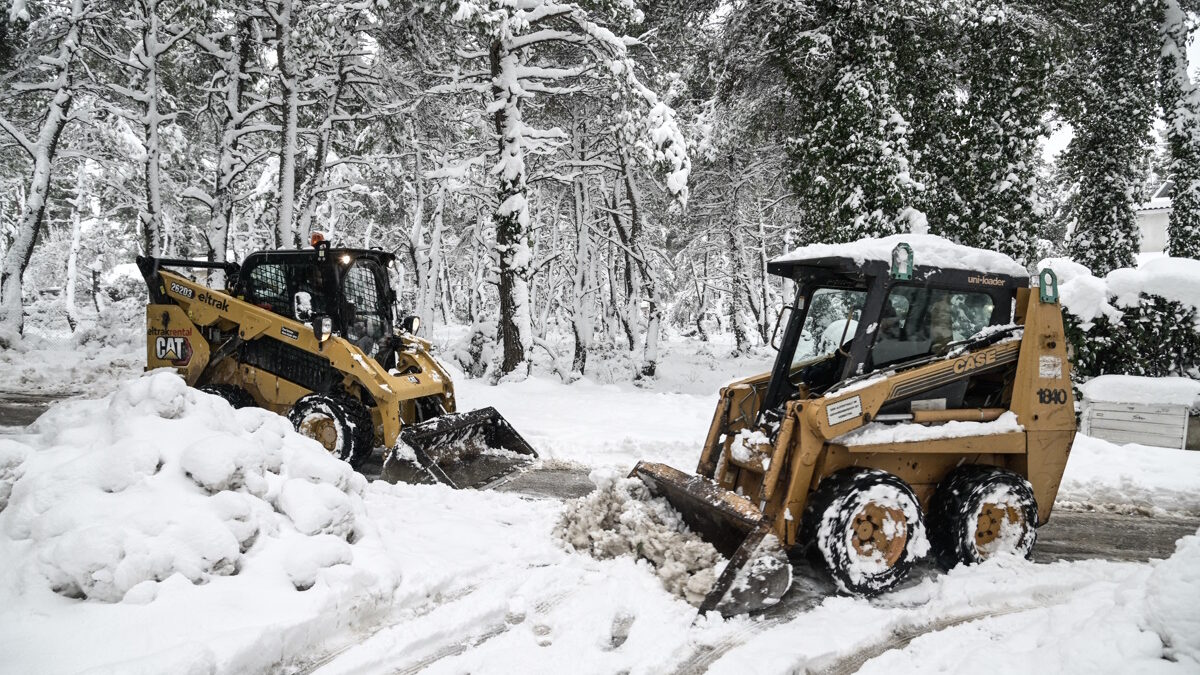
(123, 282)
(108, 498)
(1134, 321)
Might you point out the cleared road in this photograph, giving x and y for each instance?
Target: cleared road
(1070, 535)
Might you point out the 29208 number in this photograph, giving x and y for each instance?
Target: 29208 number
(1055, 396)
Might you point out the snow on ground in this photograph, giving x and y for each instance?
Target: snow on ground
(437, 580)
(162, 530)
(106, 349)
(1141, 478)
(1007, 615)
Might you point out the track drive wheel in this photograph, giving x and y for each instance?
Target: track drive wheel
(981, 511)
(233, 394)
(865, 528)
(339, 422)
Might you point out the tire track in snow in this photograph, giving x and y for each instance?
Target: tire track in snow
(807, 592)
(902, 635)
(490, 631)
(415, 613)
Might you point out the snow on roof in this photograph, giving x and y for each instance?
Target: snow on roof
(928, 250)
(1147, 390)
(1088, 297)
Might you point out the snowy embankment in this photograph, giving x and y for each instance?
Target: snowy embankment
(162, 530)
(192, 528)
(148, 502)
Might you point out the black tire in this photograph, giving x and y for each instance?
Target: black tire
(856, 498)
(970, 506)
(345, 427)
(233, 394)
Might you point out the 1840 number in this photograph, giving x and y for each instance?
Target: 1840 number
(1055, 396)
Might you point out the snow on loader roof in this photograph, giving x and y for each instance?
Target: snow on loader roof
(928, 251)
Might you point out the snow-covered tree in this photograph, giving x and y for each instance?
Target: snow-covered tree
(46, 85)
(1110, 104)
(852, 163)
(1180, 101)
(520, 51)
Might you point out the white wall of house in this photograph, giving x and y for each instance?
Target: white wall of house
(1153, 224)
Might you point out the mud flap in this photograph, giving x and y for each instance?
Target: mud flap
(475, 449)
(758, 572)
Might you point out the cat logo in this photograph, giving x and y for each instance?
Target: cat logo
(177, 350)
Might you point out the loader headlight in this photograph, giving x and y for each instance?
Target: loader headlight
(322, 328)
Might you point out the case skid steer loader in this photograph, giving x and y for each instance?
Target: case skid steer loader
(312, 334)
(911, 409)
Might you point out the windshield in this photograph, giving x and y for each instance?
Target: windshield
(366, 310)
(831, 321)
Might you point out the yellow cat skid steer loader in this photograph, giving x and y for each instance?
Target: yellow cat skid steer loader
(312, 334)
(911, 408)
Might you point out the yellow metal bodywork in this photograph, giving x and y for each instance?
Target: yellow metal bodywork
(778, 478)
(198, 311)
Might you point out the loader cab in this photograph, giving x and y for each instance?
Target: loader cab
(350, 286)
(852, 318)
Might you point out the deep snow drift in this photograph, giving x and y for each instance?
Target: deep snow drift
(163, 508)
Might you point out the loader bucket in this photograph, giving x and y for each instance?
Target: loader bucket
(474, 449)
(758, 572)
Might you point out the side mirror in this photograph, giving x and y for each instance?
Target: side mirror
(322, 328)
(302, 306)
(410, 324)
(779, 320)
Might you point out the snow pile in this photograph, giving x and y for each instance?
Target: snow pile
(1089, 297)
(620, 518)
(1145, 390)
(878, 432)
(928, 250)
(1006, 615)
(1171, 594)
(1130, 478)
(162, 495)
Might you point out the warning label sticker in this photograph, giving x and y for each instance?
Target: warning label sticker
(844, 410)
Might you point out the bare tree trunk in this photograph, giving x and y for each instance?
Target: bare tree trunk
(151, 216)
(512, 216)
(233, 63)
(736, 274)
(581, 324)
(285, 232)
(649, 281)
(313, 184)
(77, 205)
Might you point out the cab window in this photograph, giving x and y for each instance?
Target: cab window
(272, 286)
(920, 321)
(366, 306)
(831, 321)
